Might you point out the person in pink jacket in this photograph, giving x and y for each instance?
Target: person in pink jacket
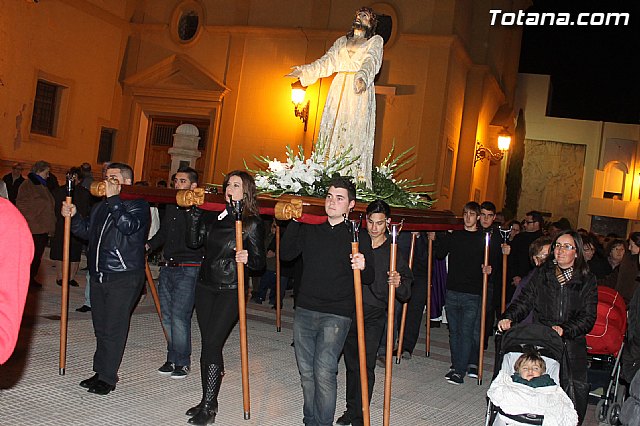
(16, 253)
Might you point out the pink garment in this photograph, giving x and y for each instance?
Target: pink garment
(16, 253)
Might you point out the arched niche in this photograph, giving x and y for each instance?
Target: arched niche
(615, 173)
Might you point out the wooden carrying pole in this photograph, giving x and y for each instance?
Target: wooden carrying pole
(395, 230)
(427, 321)
(278, 286)
(483, 313)
(64, 305)
(242, 313)
(403, 321)
(362, 349)
(503, 303)
(154, 295)
(505, 236)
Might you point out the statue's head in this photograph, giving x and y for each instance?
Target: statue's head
(366, 20)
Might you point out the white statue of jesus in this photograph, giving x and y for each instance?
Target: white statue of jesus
(349, 116)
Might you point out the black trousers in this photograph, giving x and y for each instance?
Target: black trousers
(217, 312)
(112, 301)
(375, 320)
(39, 244)
(415, 310)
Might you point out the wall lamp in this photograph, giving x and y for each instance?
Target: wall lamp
(482, 152)
(297, 97)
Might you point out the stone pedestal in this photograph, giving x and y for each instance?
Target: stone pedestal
(184, 151)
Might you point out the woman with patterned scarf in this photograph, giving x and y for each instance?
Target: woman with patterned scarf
(563, 295)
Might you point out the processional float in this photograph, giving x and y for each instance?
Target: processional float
(308, 210)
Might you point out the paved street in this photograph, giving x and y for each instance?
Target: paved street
(32, 391)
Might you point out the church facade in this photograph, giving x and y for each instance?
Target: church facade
(99, 80)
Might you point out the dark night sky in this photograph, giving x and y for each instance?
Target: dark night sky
(594, 69)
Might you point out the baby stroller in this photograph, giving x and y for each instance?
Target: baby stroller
(604, 349)
(517, 404)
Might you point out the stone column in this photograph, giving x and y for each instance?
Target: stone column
(184, 151)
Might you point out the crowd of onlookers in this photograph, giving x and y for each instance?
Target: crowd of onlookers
(39, 196)
(612, 258)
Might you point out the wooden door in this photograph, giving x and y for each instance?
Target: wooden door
(157, 161)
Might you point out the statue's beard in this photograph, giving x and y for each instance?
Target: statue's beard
(357, 25)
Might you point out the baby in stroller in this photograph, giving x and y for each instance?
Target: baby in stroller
(530, 369)
(525, 390)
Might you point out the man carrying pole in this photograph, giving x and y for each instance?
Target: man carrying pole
(117, 232)
(375, 306)
(486, 219)
(464, 287)
(177, 282)
(325, 301)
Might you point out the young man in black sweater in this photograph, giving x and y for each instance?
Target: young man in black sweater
(326, 300)
(375, 302)
(494, 287)
(464, 286)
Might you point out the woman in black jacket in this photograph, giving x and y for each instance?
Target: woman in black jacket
(563, 295)
(217, 287)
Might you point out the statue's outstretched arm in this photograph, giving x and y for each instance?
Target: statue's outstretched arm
(322, 67)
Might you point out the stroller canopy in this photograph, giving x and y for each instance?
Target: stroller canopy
(541, 337)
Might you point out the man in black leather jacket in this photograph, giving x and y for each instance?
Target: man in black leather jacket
(117, 232)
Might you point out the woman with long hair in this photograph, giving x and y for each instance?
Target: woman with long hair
(217, 287)
(563, 295)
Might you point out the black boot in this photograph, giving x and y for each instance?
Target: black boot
(211, 388)
(203, 379)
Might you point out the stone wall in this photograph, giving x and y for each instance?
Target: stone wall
(552, 176)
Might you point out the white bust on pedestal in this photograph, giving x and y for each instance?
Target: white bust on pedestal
(185, 147)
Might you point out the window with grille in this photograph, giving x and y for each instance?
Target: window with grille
(105, 148)
(162, 134)
(163, 129)
(45, 108)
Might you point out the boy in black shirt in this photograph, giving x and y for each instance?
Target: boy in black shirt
(464, 287)
(326, 300)
(375, 302)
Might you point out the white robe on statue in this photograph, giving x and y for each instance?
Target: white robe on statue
(348, 119)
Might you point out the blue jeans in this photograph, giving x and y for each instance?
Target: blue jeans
(87, 292)
(176, 290)
(462, 309)
(319, 338)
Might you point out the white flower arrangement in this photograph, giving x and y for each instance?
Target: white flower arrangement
(310, 177)
(298, 175)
